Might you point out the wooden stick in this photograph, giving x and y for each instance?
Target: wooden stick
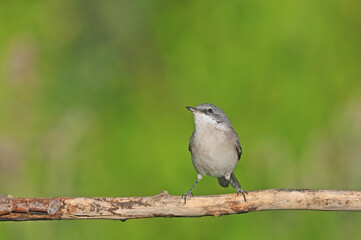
(165, 205)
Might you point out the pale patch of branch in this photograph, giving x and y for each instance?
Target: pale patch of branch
(165, 205)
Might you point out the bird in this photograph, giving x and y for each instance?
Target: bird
(215, 147)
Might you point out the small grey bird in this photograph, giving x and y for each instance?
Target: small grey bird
(214, 146)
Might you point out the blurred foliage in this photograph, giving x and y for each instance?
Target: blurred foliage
(92, 97)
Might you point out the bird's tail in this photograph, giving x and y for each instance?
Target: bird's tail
(224, 183)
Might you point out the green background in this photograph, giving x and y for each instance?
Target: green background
(93, 96)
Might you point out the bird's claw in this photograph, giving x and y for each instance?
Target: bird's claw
(184, 196)
(243, 192)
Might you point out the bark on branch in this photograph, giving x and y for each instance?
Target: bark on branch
(165, 205)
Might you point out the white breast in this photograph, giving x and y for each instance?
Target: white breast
(213, 150)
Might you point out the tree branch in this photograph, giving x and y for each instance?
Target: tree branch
(164, 205)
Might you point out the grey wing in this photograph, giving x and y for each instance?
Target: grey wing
(190, 142)
(238, 145)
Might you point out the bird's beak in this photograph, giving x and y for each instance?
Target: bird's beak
(192, 109)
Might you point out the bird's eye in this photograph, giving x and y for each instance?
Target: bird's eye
(210, 110)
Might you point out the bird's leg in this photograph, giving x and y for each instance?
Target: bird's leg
(233, 181)
(184, 196)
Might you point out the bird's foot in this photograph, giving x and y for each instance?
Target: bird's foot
(184, 196)
(243, 192)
